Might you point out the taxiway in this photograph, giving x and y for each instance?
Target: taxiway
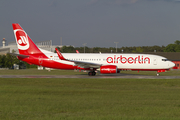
(85, 76)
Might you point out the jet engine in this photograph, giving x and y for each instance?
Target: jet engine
(108, 69)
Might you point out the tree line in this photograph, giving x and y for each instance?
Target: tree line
(8, 61)
(169, 48)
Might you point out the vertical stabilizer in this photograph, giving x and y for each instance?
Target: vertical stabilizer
(24, 43)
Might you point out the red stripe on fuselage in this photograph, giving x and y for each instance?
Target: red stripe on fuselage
(46, 62)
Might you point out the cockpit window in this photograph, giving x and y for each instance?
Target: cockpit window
(165, 60)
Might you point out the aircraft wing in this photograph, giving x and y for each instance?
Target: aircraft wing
(79, 63)
(87, 64)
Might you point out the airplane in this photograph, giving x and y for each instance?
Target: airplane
(92, 62)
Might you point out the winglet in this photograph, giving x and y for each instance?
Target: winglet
(59, 54)
(77, 51)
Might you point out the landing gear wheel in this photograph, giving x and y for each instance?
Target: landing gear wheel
(92, 73)
(89, 73)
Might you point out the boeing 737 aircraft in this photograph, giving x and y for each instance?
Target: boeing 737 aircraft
(103, 63)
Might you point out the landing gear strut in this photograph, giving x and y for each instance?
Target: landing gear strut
(92, 73)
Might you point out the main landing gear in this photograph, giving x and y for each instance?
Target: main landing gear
(92, 73)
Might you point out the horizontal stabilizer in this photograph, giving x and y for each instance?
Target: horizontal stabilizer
(19, 55)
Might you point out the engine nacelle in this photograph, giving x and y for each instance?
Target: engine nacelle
(108, 69)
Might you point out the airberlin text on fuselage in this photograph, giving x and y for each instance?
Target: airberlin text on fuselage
(139, 59)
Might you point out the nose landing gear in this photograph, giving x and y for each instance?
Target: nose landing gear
(157, 74)
(159, 71)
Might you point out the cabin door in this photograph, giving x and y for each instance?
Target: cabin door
(155, 61)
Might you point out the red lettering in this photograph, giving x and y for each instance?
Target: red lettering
(115, 60)
(142, 60)
(139, 60)
(118, 58)
(109, 60)
(130, 60)
(123, 59)
(146, 58)
(135, 59)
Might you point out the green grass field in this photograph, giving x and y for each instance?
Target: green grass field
(89, 99)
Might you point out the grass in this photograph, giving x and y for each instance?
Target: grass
(89, 99)
(40, 72)
(72, 72)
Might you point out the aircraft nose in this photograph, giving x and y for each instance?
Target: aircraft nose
(171, 64)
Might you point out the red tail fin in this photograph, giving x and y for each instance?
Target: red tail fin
(24, 43)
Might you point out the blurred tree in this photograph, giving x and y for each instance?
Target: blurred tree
(138, 50)
(9, 61)
(173, 47)
(177, 42)
(2, 61)
(170, 48)
(69, 49)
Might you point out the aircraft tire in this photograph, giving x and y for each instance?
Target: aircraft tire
(92, 73)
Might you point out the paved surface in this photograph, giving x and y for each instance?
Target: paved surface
(86, 76)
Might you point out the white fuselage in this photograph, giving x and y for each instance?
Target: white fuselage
(122, 61)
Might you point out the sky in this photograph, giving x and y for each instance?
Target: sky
(98, 23)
